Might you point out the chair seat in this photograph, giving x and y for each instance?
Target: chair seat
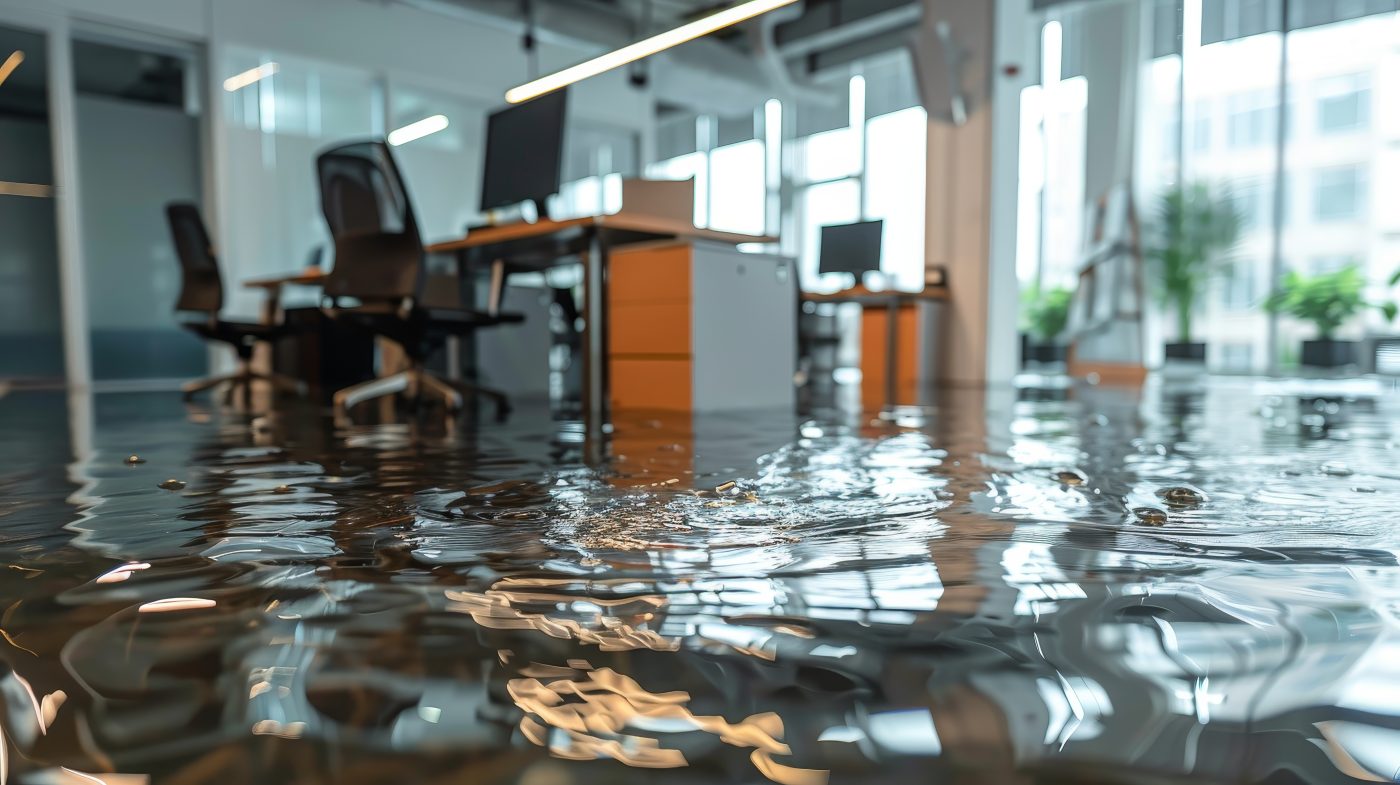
(451, 318)
(426, 328)
(235, 332)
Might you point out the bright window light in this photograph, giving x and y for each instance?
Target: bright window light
(11, 63)
(251, 76)
(417, 130)
(644, 48)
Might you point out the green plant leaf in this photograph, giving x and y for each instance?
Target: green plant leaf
(1047, 313)
(1194, 230)
(1329, 300)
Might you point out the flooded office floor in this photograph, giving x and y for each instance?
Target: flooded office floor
(1181, 584)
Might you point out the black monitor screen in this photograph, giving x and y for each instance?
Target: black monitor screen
(524, 152)
(851, 248)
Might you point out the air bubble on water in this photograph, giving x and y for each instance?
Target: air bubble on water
(133, 459)
(172, 484)
(284, 489)
(1336, 469)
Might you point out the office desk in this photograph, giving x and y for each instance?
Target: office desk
(538, 246)
(272, 289)
(897, 311)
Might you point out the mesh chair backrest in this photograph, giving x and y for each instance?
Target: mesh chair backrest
(378, 251)
(200, 286)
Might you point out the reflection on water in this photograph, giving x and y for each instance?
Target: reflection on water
(1194, 584)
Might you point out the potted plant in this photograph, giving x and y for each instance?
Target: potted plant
(1195, 228)
(1045, 314)
(1328, 300)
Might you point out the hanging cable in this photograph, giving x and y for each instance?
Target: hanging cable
(638, 73)
(530, 41)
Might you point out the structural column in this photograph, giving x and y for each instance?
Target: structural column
(970, 56)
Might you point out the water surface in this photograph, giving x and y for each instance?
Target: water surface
(1189, 583)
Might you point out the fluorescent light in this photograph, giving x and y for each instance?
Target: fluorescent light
(644, 48)
(11, 63)
(25, 189)
(418, 130)
(251, 76)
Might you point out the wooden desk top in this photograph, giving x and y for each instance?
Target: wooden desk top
(313, 276)
(860, 294)
(641, 224)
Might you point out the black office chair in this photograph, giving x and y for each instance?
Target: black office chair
(378, 279)
(202, 293)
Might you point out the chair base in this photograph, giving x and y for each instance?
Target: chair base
(243, 378)
(416, 384)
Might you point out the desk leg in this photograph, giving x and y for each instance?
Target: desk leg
(595, 339)
(891, 354)
(261, 361)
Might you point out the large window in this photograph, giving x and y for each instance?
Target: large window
(596, 159)
(728, 160)
(1337, 67)
(870, 166)
(788, 170)
(1343, 104)
(1218, 94)
(1339, 194)
(1253, 119)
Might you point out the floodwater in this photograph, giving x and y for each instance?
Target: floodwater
(1192, 583)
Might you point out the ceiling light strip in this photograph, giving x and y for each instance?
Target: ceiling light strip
(644, 48)
(11, 63)
(251, 76)
(417, 130)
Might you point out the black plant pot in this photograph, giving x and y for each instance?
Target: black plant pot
(1045, 353)
(1329, 353)
(1195, 351)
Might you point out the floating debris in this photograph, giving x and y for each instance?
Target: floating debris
(1150, 516)
(133, 459)
(284, 489)
(1070, 477)
(1182, 496)
(1363, 489)
(1336, 469)
(726, 487)
(172, 484)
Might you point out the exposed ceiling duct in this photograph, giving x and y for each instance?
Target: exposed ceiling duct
(722, 74)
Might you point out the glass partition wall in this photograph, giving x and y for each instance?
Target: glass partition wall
(139, 147)
(31, 311)
(1277, 107)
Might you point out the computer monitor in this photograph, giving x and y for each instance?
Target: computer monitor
(851, 248)
(524, 152)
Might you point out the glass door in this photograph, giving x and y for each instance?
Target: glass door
(31, 314)
(138, 135)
